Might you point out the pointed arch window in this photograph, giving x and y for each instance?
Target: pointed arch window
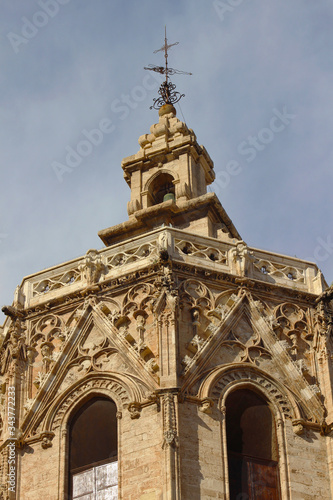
(93, 451)
(252, 447)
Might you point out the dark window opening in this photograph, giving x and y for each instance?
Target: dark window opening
(252, 447)
(161, 187)
(93, 450)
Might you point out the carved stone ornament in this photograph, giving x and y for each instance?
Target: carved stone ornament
(130, 320)
(170, 437)
(169, 421)
(298, 427)
(92, 267)
(47, 438)
(31, 354)
(46, 351)
(206, 405)
(46, 329)
(203, 252)
(243, 258)
(15, 345)
(291, 323)
(135, 410)
(208, 316)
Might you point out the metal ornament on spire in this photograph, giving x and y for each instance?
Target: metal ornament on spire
(167, 89)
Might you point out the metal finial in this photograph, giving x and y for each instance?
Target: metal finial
(167, 89)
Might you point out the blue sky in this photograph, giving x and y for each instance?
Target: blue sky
(68, 65)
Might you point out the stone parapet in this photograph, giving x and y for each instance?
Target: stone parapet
(234, 258)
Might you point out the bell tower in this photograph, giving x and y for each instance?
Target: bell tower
(168, 178)
(169, 166)
(169, 175)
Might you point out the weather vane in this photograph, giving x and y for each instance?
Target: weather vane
(167, 89)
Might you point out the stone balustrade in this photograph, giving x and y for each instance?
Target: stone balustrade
(234, 258)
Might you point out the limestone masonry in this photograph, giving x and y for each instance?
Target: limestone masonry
(176, 362)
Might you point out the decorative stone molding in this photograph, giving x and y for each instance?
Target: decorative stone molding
(129, 322)
(39, 380)
(242, 376)
(65, 403)
(46, 329)
(278, 270)
(208, 253)
(208, 317)
(125, 257)
(170, 432)
(48, 284)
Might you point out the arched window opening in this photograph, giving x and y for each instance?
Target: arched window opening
(252, 447)
(93, 451)
(162, 189)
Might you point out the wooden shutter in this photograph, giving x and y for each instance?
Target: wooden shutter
(263, 480)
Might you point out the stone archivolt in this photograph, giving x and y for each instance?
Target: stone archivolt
(287, 400)
(52, 413)
(118, 389)
(222, 379)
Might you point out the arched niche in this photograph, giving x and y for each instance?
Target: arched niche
(93, 450)
(252, 446)
(160, 185)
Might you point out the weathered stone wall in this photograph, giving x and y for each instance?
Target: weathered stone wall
(200, 453)
(307, 461)
(141, 456)
(38, 471)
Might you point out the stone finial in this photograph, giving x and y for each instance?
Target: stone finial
(166, 109)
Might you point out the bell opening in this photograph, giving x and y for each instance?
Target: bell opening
(162, 189)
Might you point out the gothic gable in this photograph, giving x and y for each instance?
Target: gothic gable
(93, 356)
(239, 332)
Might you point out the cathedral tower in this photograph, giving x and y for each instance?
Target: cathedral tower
(175, 363)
